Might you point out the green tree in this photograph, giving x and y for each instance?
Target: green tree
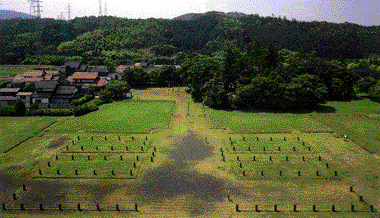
(29, 88)
(305, 91)
(374, 92)
(20, 108)
(215, 96)
(136, 77)
(365, 84)
(115, 90)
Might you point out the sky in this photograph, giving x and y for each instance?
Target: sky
(363, 12)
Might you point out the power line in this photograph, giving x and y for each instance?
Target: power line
(105, 9)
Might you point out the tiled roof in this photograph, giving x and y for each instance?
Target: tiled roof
(8, 98)
(66, 90)
(101, 82)
(48, 77)
(47, 85)
(37, 73)
(53, 72)
(121, 68)
(8, 90)
(24, 93)
(84, 75)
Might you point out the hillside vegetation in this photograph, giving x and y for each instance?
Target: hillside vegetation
(110, 39)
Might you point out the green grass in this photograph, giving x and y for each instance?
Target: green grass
(121, 117)
(85, 165)
(362, 130)
(241, 122)
(12, 71)
(13, 130)
(361, 106)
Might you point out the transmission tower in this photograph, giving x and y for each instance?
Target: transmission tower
(69, 12)
(38, 8)
(105, 9)
(100, 8)
(35, 7)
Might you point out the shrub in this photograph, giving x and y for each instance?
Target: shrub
(20, 108)
(7, 111)
(82, 100)
(50, 112)
(84, 109)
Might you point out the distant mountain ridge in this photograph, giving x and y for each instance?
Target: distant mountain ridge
(191, 16)
(7, 15)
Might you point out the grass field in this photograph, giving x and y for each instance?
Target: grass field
(361, 106)
(241, 122)
(11, 71)
(16, 129)
(121, 117)
(361, 129)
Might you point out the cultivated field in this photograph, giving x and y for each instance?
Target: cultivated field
(176, 158)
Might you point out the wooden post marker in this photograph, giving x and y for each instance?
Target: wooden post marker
(333, 209)
(92, 138)
(241, 165)
(136, 209)
(78, 137)
(95, 173)
(318, 173)
(287, 158)
(303, 158)
(98, 207)
(79, 209)
(262, 173)
(41, 207)
(244, 173)
(361, 198)
(24, 188)
(14, 197)
(49, 164)
(81, 147)
(299, 173)
(89, 158)
(270, 158)
(237, 208)
(276, 209)
(351, 189)
(131, 172)
(40, 171)
(335, 173)
(60, 207)
(3, 206)
(76, 172)
(22, 207)
(254, 158)
(257, 208)
(58, 173)
(352, 208)
(105, 157)
(113, 172)
(271, 138)
(56, 157)
(72, 157)
(314, 208)
(237, 158)
(279, 148)
(280, 172)
(117, 207)
(121, 157)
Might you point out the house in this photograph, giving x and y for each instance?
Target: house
(101, 83)
(115, 76)
(120, 69)
(8, 96)
(141, 64)
(101, 70)
(25, 97)
(44, 92)
(63, 96)
(80, 78)
(29, 77)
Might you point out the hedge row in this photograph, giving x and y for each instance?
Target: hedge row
(82, 100)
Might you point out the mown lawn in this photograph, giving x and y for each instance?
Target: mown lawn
(363, 130)
(241, 122)
(13, 130)
(121, 117)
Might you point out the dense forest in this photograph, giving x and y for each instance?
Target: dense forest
(111, 40)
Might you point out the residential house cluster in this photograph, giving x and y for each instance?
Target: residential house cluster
(56, 88)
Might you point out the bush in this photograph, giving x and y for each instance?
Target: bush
(3, 84)
(50, 112)
(20, 108)
(7, 111)
(84, 109)
(82, 100)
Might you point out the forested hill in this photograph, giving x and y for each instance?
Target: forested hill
(96, 40)
(7, 15)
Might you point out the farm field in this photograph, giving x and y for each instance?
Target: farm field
(364, 130)
(360, 106)
(241, 122)
(10, 71)
(212, 164)
(16, 129)
(122, 117)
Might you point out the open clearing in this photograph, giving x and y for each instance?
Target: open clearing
(175, 158)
